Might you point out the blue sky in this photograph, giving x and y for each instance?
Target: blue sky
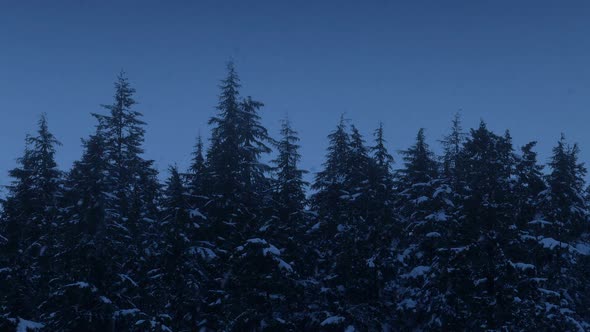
(519, 65)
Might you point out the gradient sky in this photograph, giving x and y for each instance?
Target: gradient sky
(519, 65)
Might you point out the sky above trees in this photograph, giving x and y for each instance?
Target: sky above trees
(518, 66)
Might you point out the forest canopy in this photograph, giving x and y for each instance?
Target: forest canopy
(480, 237)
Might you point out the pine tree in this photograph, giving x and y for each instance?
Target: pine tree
(330, 204)
(529, 184)
(346, 263)
(420, 169)
(177, 275)
(289, 185)
(558, 237)
(427, 216)
(197, 174)
(239, 193)
(383, 226)
(223, 161)
(79, 299)
(330, 182)
(452, 145)
(111, 199)
(253, 138)
(28, 224)
(381, 176)
(122, 129)
(483, 278)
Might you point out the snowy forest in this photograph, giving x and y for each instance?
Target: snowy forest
(482, 237)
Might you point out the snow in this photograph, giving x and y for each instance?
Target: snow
(421, 199)
(355, 196)
(479, 281)
(105, 299)
(79, 284)
(402, 257)
(205, 253)
(540, 222)
(444, 189)
(125, 312)
(332, 320)
(459, 249)
(256, 240)
(438, 216)
(549, 292)
(583, 249)
(417, 271)
(523, 266)
(27, 325)
(551, 243)
(126, 277)
(197, 213)
(314, 228)
(271, 249)
(407, 304)
(284, 265)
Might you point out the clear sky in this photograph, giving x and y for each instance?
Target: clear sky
(519, 65)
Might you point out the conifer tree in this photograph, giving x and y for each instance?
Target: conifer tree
(558, 237)
(330, 203)
(239, 193)
(452, 145)
(198, 172)
(381, 176)
(529, 184)
(289, 185)
(177, 275)
(330, 182)
(482, 275)
(29, 219)
(111, 198)
(383, 226)
(79, 299)
(427, 216)
(342, 201)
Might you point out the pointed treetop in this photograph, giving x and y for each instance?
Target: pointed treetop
(44, 136)
(380, 153)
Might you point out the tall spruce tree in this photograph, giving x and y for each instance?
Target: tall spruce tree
(289, 185)
(80, 300)
(330, 203)
(197, 174)
(239, 193)
(484, 284)
(29, 226)
(452, 144)
(346, 266)
(177, 277)
(426, 212)
(383, 226)
(381, 176)
(558, 237)
(111, 199)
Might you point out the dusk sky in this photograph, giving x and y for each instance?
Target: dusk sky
(519, 65)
